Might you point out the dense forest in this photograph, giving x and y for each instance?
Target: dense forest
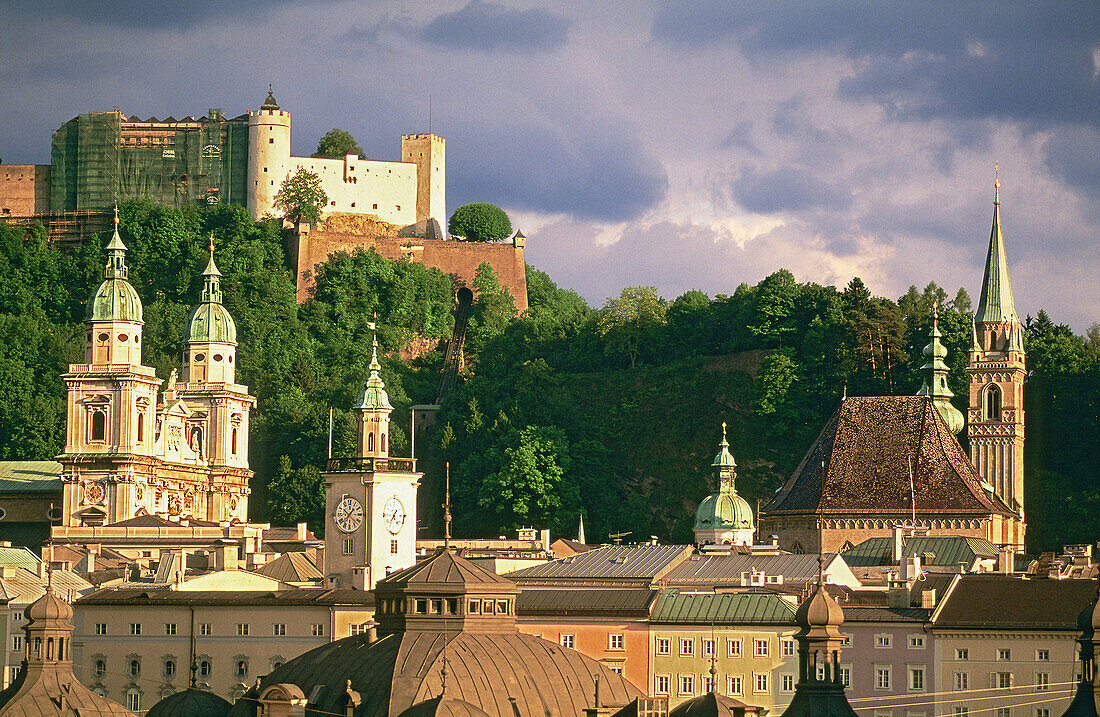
(610, 412)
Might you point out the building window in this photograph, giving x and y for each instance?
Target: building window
(568, 641)
(962, 653)
(135, 667)
(205, 629)
(687, 647)
(1042, 681)
(916, 642)
(169, 668)
(205, 667)
(278, 629)
(101, 628)
(1002, 712)
(133, 701)
(660, 684)
(786, 647)
(735, 686)
(140, 428)
(241, 670)
(169, 628)
(916, 678)
(760, 648)
(662, 646)
(349, 546)
(135, 628)
(99, 425)
(243, 628)
(733, 648)
(393, 547)
(1004, 654)
(317, 629)
(1042, 655)
(99, 667)
(420, 607)
(962, 681)
(708, 684)
(786, 683)
(961, 711)
(882, 677)
(760, 682)
(993, 404)
(614, 642)
(687, 684)
(845, 640)
(846, 675)
(1002, 680)
(884, 713)
(710, 647)
(16, 643)
(17, 616)
(884, 640)
(13, 673)
(1042, 712)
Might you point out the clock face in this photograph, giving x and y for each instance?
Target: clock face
(349, 514)
(393, 513)
(93, 493)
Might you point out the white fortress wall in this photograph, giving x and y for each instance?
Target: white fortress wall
(359, 186)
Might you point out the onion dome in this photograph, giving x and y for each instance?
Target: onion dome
(114, 299)
(210, 321)
(935, 387)
(190, 703)
(713, 704)
(49, 607)
(820, 610)
(374, 392)
(270, 103)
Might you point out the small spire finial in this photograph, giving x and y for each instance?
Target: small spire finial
(270, 89)
(996, 183)
(723, 430)
(116, 216)
(211, 244)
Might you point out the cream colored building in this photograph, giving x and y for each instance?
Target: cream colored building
(137, 645)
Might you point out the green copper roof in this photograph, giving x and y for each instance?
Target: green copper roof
(210, 321)
(674, 607)
(374, 393)
(724, 509)
(724, 457)
(115, 299)
(934, 372)
(943, 550)
(996, 304)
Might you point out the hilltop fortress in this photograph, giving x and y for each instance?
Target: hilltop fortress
(101, 158)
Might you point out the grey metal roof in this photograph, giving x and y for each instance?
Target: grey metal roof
(228, 598)
(994, 601)
(573, 602)
(727, 569)
(639, 562)
(692, 608)
(30, 476)
(856, 613)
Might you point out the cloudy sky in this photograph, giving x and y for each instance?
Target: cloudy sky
(690, 144)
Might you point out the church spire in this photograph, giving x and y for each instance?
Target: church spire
(116, 255)
(374, 410)
(934, 372)
(996, 304)
(211, 285)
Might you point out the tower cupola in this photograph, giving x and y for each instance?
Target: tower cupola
(374, 410)
(934, 372)
(724, 517)
(114, 313)
(210, 334)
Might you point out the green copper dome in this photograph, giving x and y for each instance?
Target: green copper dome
(210, 321)
(724, 509)
(114, 299)
(374, 393)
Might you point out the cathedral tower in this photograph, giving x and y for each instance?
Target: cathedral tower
(428, 153)
(111, 402)
(995, 424)
(268, 155)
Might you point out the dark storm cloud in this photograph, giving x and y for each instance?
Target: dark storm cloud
(488, 27)
(1073, 153)
(787, 189)
(177, 14)
(597, 171)
(1009, 60)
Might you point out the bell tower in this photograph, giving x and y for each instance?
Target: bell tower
(995, 420)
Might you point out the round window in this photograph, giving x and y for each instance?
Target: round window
(200, 357)
(104, 337)
(3, 513)
(137, 338)
(230, 358)
(122, 337)
(54, 514)
(217, 357)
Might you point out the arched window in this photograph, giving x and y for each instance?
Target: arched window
(135, 667)
(383, 442)
(234, 441)
(993, 403)
(370, 442)
(133, 700)
(141, 427)
(99, 667)
(99, 425)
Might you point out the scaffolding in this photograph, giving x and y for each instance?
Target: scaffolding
(102, 158)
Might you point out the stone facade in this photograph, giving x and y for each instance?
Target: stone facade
(24, 189)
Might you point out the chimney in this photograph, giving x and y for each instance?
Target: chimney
(546, 540)
(302, 531)
(928, 598)
(910, 568)
(1006, 560)
(899, 542)
(226, 557)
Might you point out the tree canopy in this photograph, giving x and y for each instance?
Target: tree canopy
(480, 221)
(301, 197)
(337, 144)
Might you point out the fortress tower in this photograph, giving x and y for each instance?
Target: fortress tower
(995, 424)
(428, 153)
(268, 155)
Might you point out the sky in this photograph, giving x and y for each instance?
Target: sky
(694, 144)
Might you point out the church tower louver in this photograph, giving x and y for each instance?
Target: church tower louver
(995, 421)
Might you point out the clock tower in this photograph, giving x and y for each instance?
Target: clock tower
(370, 500)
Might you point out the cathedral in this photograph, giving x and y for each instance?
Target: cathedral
(132, 449)
(883, 462)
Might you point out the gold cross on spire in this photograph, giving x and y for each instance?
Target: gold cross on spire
(211, 243)
(116, 216)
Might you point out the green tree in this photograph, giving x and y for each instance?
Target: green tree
(527, 490)
(296, 495)
(493, 308)
(301, 197)
(629, 319)
(337, 144)
(480, 221)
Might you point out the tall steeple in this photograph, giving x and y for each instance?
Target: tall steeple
(374, 410)
(114, 314)
(934, 372)
(724, 517)
(995, 421)
(210, 334)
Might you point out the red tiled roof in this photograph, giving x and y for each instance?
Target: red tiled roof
(861, 462)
